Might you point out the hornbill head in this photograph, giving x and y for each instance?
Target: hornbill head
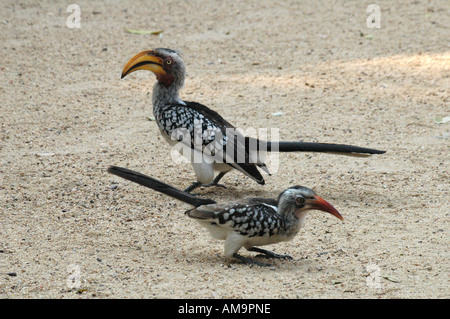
(166, 64)
(300, 199)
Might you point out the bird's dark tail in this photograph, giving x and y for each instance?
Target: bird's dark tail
(340, 149)
(159, 186)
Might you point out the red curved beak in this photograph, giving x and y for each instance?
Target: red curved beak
(321, 204)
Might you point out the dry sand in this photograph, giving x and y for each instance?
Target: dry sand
(70, 230)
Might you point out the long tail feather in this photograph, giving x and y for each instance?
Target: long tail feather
(159, 186)
(340, 149)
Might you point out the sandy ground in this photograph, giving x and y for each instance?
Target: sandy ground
(70, 230)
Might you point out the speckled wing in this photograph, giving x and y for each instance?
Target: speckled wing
(207, 133)
(175, 120)
(253, 217)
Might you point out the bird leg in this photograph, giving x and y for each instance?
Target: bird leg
(269, 254)
(250, 261)
(215, 182)
(193, 186)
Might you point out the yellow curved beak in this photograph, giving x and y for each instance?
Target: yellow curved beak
(145, 60)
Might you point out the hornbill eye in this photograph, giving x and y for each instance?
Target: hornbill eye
(168, 61)
(300, 199)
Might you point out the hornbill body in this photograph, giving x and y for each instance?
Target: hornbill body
(247, 223)
(214, 143)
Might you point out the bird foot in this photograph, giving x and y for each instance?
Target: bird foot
(251, 261)
(215, 184)
(273, 255)
(192, 187)
(269, 254)
(198, 184)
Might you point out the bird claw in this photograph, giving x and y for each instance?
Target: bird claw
(262, 264)
(251, 261)
(192, 187)
(269, 254)
(213, 184)
(197, 184)
(273, 255)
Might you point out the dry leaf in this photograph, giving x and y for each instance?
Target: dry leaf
(154, 32)
(391, 279)
(441, 120)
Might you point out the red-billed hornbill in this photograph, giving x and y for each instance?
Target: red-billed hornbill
(213, 143)
(247, 223)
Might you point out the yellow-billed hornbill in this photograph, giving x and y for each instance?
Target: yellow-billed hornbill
(249, 222)
(213, 143)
